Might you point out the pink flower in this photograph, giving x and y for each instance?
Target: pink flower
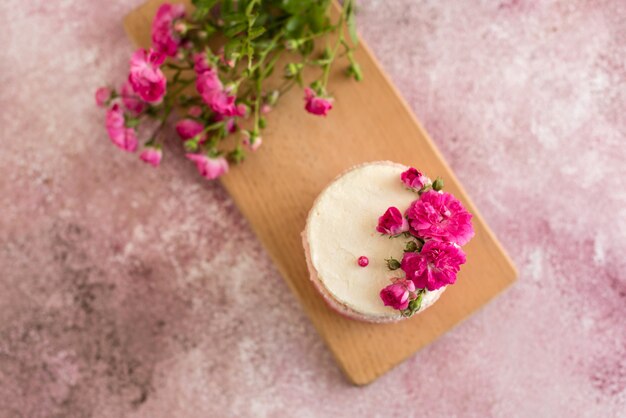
(201, 63)
(146, 78)
(252, 144)
(392, 222)
(188, 128)
(151, 156)
(397, 294)
(414, 179)
(230, 123)
(435, 266)
(316, 105)
(440, 216)
(213, 92)
(130, 99)
(103, 94)
(125, 138)
(209, 167)
(164, 37)
(208, 82)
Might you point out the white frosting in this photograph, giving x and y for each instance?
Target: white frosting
(342, 227)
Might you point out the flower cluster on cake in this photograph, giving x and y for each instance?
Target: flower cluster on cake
(383, 241)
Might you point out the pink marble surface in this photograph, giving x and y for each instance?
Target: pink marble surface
(132, 292)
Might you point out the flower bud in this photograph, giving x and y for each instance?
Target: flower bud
(292, 69)
(392, 263)
(438, 184)
(354, 70)
(272, 98)
(103, 96)
(181, 27)
(411, 247)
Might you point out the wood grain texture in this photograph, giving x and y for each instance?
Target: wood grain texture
(300, 155)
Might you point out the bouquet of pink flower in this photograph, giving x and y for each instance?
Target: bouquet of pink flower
(436, 225)
(231, 95)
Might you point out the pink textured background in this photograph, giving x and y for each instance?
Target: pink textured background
(129, 291)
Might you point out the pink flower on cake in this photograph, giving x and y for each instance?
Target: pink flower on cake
(125, 138)
(392, 222)
(103, 94)
(435, 266)
(397, 294)
(316, 105)
(130, 99)
(440, 216)
(152, 156)
(209, 167)
(413, 179)
(146, 77)
(164, 37)
(188, 128)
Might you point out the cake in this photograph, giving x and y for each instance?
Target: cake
(369, 257)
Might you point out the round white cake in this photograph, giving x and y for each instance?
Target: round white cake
(341, 227)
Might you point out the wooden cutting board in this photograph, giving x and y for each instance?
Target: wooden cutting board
(301, 154)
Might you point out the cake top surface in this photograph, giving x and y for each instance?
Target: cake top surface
(341, 227)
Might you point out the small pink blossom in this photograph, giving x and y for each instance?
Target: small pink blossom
(435, 266)
(209, 167)
(146, 77)
(397, 294)
(414, 179)
(103, 94)
(213, 92)
(392, 222)
(195, 111)
(130, 99)
(440, 216)
(164, 38)
(265, 109)
(189, 128)
(201, 63)
(123, 137)
(227, 62)
(230, 123)
(363, 261)
(316, 105)
(252, 144)
(152, 156)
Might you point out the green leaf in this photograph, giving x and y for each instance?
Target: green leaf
(203, 7)
(296, 6)
(294, 26)
(235, 29)
(256, 32)
(232, 47)
(351, 21)
(318, 19)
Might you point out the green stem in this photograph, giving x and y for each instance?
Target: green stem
(340, 40)
(257, 105)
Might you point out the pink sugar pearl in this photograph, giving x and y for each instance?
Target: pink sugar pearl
(363, 261)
